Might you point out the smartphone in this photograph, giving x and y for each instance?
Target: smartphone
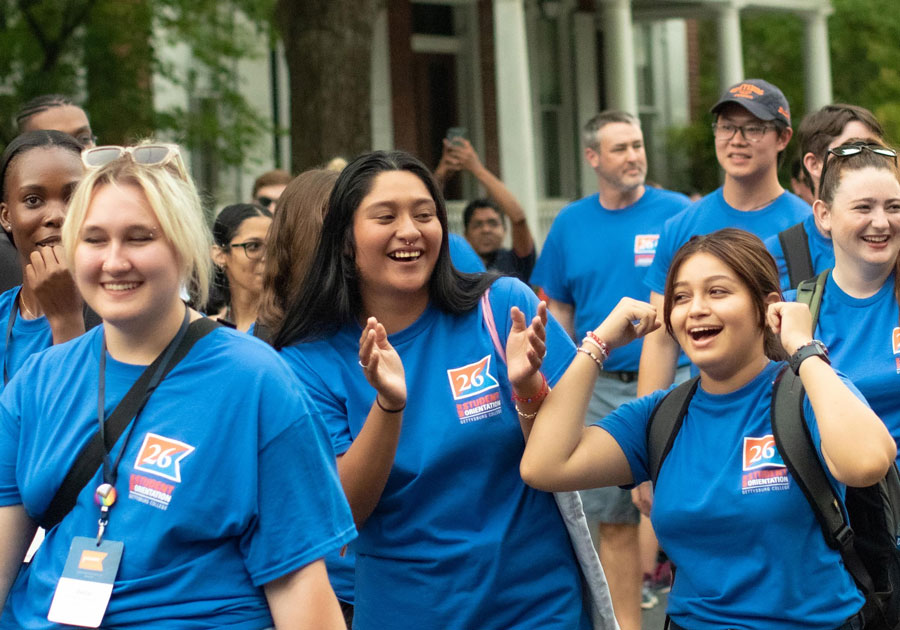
(455, 133)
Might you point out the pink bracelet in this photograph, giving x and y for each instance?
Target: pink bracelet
(604, 348)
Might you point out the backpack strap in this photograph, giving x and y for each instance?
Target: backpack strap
(795, 246)
(796, 447)
(665, 422)
(91, 456)
(810, 292)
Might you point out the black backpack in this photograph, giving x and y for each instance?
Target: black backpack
(795, 247)
(869, 548)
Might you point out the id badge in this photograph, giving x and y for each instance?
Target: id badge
(83, 592)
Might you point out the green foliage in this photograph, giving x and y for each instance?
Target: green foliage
(865, 66)
(106, 49)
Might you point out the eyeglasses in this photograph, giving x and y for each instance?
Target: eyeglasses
(846, 150)
(724, 131)
(254, 250)
(144, 154)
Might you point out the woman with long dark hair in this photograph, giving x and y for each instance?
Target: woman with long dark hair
(394, 345)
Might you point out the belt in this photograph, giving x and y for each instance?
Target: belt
(625, 377)
(856, 622)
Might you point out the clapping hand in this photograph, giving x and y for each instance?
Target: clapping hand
(382, 365)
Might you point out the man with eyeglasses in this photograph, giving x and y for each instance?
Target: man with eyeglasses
(752, 128)
(804, 249)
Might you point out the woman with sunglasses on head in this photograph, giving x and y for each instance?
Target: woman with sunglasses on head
(747, 559)
(39, 170)
(239, 234)
(390, 340)
(219, 496)
(859, 318)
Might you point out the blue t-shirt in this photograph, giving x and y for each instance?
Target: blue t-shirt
(749, 551)
(713, 213)
(463, 256)
(28, 335)
(457, 540)
(863, 341)
(821, 251)
(593, 257)
(227, 482)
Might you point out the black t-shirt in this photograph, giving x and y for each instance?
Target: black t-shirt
(509, 264)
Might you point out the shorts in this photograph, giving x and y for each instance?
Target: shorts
(613, 505)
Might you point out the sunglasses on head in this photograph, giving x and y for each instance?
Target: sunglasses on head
(846, 150)
(144, 154)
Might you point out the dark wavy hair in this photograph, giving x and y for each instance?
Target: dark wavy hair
(745, 254)
(226, 226)
(330, 295)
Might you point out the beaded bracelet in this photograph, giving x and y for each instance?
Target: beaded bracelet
(541, 395)
(593, 356)
(527, 416)
(604, 347)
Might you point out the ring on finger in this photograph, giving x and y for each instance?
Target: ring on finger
(365, 367)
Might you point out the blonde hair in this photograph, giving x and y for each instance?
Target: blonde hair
(176, 204)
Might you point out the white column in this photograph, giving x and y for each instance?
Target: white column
(382, 116)
(731, 57)
(515, 120)
(618, 54)
(817, 60)
(586, 75)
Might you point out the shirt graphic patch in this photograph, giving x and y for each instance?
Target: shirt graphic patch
(895, 340)
(161, 456)
(762, 466)
(149, 491)
(645, 249)
(477, 391)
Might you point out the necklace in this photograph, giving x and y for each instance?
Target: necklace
(768, 203)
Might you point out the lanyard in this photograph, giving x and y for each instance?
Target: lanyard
(105, 495)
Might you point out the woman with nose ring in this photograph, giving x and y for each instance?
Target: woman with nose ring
(427, 416)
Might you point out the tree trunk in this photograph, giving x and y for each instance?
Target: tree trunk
(119, 60)
(328, 47)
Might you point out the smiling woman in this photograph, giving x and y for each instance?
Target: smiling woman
(135, 236)
(391, 340)
(730, 543)
(859, 317)
(39, 170)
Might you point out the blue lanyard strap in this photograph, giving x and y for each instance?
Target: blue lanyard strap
(110, 468)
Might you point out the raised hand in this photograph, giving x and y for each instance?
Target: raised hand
(792, 322)
(53, 285)
(525, 348)
(462, 152)
(382, 365)
(629, 320)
